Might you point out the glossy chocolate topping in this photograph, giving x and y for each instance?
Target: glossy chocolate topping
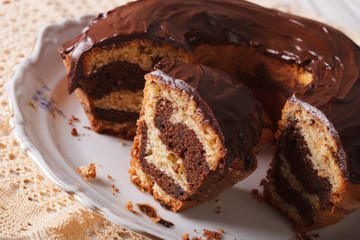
(333, 58)
(227, 105)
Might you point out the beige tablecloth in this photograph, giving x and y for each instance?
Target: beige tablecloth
(32, 207)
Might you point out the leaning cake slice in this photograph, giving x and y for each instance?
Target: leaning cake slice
(307, 179)
(196, 136)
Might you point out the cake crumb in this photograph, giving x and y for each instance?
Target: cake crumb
(74, 132)
(87, 172)
(72, 119)
(109, 177)
(115, 190)
(129, 206)
(122, 143)
(185, 236)
(209, 235)
(152, 214)
(162, 221)
(255, 193)
(212, 235)
(87, 127)
(75, 118)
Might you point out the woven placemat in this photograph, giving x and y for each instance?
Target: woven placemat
(32, 207)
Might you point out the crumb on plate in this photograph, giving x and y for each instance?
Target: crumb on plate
(185, 236)
(74, 132)
(213, 235)
(129, 206)
(87, 172)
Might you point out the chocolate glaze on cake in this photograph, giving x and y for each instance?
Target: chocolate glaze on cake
(332, 58)
(226, 103)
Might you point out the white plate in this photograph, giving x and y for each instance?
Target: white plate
(42, 108)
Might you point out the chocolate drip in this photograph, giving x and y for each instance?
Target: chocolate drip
(332, 58)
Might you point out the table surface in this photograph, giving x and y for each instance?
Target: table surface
(31, 207)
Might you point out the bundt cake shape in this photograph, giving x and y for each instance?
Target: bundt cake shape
(107, 62)
(282, 58)
(196, 135)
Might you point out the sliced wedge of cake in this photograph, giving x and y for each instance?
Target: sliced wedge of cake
(196, 136)
(306, 180)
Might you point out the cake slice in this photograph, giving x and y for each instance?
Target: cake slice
(196, 135)
(306, 181)
(109, 81)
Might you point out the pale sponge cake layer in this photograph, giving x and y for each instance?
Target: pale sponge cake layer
(140, 52)
(123, 100)
(112, 79)
(99, 122)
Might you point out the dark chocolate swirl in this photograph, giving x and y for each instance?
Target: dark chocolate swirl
(332, 58)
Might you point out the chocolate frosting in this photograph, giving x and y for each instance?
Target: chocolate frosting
(227, 105)
(329, 55)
